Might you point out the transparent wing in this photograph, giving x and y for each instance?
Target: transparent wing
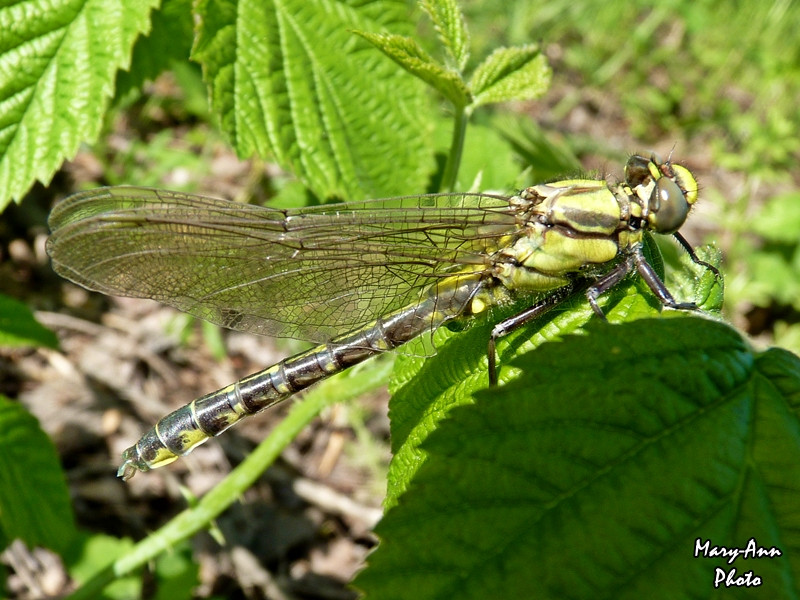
(310, 273)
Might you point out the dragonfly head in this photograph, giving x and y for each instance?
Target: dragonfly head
(667, 191)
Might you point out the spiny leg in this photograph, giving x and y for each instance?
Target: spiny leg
(653, 281)
(514, 322)
(690, 251)
(602, 285)
(606, 282)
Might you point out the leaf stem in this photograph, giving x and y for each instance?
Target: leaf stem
(456, 149)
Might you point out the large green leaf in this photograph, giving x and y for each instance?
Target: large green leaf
(291, 79)
(602, 470)
(58, 61)
(424, 390)
(34, 500)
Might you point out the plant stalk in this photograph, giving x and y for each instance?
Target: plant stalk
(456, 150)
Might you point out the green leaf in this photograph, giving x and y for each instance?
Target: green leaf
(452, 28)
(34, 500)
(59, 60)
(407, 53)
(91, 554)
(595, 473)
(291, 79)
(169, 42)
(424, 390)
(696, 282)
(18, 327)
(519, 73)
(177, 574)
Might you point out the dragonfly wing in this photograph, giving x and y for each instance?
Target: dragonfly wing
(311, 273)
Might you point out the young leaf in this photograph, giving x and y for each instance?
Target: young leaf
(407, 53)
(519, 73)
(59, 61)
(596, 472)
(18, 327)
(291, 79)
(451, 27)
(696, 282)
(34, 500)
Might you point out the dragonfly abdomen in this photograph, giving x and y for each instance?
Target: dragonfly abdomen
(181, 431)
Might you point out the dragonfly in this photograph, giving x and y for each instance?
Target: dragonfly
(363, 277)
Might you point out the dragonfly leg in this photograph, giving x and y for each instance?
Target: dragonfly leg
(508, 325)
(598, 288)
(606, 282)
(690, 251)
(654, 283)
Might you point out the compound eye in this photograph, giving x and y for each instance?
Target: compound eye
(686, 181)
(668, 207)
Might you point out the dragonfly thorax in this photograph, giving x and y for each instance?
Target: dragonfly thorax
(575, 225)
